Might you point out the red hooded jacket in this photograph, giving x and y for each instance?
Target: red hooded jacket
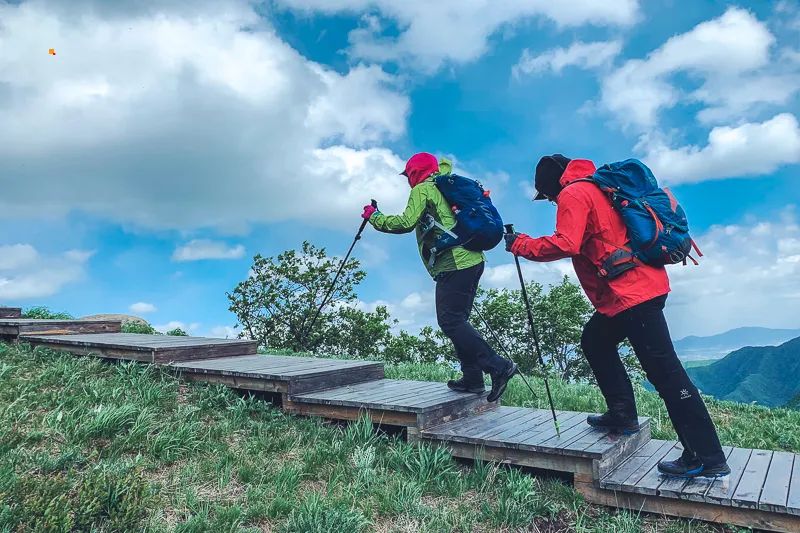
(588, 230)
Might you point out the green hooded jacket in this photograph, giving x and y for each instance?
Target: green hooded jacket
(425, 199)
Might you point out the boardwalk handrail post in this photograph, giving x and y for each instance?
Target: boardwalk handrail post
(536, 344)
(332, 286)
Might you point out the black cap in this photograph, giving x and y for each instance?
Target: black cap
(548, 175)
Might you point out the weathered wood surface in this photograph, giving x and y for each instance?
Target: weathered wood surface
(161, 349)
(10, 312)
(12, 328)
(422, 404)
(722, 514)
(532, 432)
(293, 375)
(760, 479)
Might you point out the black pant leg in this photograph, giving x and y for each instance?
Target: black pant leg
(455, 294)
(599, 342)
(647, 329)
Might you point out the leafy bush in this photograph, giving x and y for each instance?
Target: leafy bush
(138, 327)
(43, 313)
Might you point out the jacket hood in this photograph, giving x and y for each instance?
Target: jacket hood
(577, 169)
(420, 167)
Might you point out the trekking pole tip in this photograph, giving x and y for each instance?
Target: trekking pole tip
(374, 203)
(509, 228)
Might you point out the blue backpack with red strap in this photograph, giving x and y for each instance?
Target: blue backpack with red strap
(658, 230)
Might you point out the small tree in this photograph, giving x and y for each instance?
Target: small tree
(276, 304)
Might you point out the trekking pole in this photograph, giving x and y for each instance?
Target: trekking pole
(509, 230)
(336, 278)
(502, 346)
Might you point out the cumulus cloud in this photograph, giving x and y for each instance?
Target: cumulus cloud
(748, 149)
(727, 54)
(432, 33)
(578, 54)
(177, 324)
(749, 276)
(142, 308)
(199, 249)
(185, 118)
(25, 273)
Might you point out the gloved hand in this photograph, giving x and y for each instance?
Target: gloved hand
(369, 210)
(510, 238)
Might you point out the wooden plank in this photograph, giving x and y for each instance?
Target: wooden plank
(722, 490)
(619, 476)
(10, 312)
(688, 509)
(776, 486)
(544, 461)
(357, 392)
(647, 479)
(467, 427)
(518, 423)
(696, 488)
(793, 501)
(545, 429)
(337, 412)
(749, 490)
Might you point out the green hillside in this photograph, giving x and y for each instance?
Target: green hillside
(766, 375)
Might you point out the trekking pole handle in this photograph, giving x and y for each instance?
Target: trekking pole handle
(509, 229)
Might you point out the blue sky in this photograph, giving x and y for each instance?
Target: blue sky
(161, 147)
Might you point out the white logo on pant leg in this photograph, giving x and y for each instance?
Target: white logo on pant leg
(685, 394)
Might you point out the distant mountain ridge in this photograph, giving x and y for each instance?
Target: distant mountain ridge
(767, 375)
(718, 346)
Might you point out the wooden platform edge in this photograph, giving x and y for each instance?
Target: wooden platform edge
(752, 518)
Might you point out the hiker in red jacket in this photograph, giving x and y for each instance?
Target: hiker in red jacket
(631, 305)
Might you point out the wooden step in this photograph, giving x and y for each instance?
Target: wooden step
(10, 312)
(273, 373)
(160, 349)
(528, 437)
(412, 404)
(763, 490)
(12, 328)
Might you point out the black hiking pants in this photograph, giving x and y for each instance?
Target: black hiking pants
(646, 328)
(455, 294)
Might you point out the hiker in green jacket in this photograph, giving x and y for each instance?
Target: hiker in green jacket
(456, 272)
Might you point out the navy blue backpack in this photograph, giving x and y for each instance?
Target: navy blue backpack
(658, 230)
(478, 224)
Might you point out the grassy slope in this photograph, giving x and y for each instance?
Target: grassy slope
(87, 445)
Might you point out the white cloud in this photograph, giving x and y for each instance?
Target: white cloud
(729, 56)
(749, 276)
(142, 308)
(177, 324)
(432, 33)
(223, 332)
(184, 118)
(25, 273)
(749, 149)
(578, 54)
(200, 249)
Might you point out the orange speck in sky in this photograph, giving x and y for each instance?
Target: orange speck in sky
(52, 51)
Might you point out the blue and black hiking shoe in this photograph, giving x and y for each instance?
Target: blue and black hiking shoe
(614, 422)
(459, 385)
(692, 468)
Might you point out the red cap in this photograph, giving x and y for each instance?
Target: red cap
(419, 167)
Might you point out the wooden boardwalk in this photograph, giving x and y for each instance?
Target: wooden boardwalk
(273, 373)
(12, 328)
(618, 471)
(144, 348)
(10, 312)
(412, 404)
(528, 437)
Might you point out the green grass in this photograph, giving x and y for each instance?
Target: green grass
(91, 446)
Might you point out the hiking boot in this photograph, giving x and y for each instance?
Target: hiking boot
(500, 382)
(615, 422)
(682, 467)
(459, 385)
(720, 470)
